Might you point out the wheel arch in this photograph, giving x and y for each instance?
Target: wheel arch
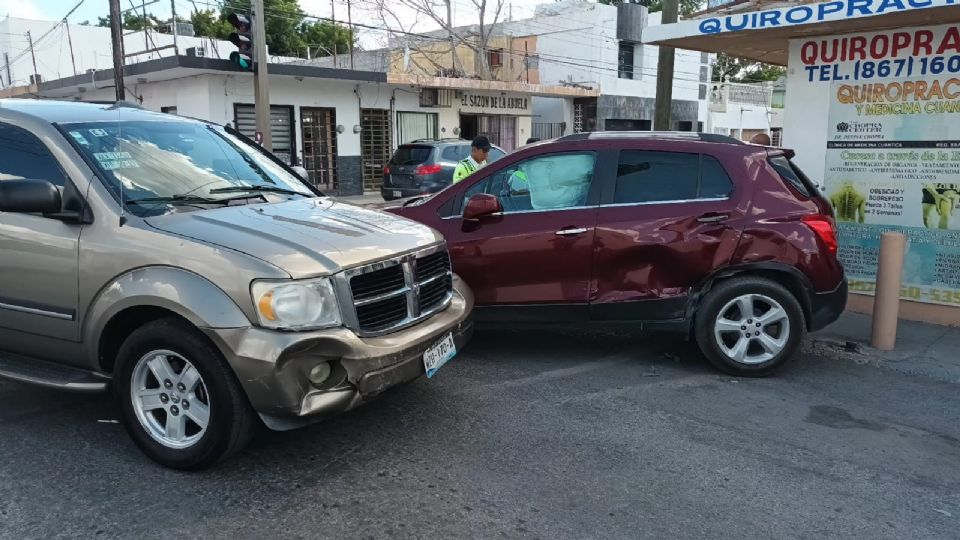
(146, 294)
(785, 275)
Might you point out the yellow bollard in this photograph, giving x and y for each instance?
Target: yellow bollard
(886, 305)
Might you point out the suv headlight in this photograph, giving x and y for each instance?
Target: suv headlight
(296, 305)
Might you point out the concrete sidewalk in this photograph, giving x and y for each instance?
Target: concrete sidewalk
(922, 349)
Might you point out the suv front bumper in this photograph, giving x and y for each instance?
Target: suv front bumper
(273, 367)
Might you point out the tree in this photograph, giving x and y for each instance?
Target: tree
(326, 37)
(687, 7)
(284, 18)
(133, 21)
(209, 24)
(475, 37)
(733, 69)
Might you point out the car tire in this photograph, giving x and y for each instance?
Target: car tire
(179, 399)
(749, 326)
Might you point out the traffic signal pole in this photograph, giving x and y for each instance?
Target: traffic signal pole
(261, 83)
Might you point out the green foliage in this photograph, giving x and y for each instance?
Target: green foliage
(208, 23)
(736, 69)
(133, 21)
(323, 36)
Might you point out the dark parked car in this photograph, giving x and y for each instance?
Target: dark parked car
(726, 242)
(426, 166)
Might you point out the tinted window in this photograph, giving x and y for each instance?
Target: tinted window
(551, 182)
(714, 180)
(644, 176)
(451, 153)
(22, 155)
(791, 174)
(411, 155)
(495, 154)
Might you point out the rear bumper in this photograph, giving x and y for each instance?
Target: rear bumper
(826, 307)
(273, 367)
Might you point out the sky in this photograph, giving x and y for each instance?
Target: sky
(53, 10)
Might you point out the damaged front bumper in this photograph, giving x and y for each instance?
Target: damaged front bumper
(274, 367)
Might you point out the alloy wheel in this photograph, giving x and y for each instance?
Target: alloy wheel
(752, 329)
(170, 399)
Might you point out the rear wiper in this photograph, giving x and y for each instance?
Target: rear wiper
(260, 187)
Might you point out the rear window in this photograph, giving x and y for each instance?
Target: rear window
(715, 183)
(793, 175)
(411, 155)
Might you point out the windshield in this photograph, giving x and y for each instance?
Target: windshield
(172, 160)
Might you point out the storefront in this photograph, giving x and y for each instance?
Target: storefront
(872, 109)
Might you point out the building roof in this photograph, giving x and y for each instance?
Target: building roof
(175, 67)
(765, 35)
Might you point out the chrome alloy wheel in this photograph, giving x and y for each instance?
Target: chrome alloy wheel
(170, 399)
(752, 329)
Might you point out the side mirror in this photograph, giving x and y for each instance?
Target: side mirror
(29, 197)
(481, 204)
(301, 172)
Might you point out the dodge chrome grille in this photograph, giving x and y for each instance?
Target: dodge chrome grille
(392, 294)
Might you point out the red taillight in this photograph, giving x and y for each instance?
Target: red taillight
(386, 170)
(825, 229)
(427, 169)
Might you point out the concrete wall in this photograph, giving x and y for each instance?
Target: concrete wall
(91, 48)
(806, 113)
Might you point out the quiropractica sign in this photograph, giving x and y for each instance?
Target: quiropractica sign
(814, 13)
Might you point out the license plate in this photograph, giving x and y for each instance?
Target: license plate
(398, 194)
(438, 355)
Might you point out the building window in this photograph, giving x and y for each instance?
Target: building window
(776, 136)
(684, 125)
(704, 73)
(625, 60)
(495, 58)
(703, 91)
(704, 58)
(168, 110)
(412, 126)
(281, 127)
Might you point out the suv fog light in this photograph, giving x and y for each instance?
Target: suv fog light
(320, 373)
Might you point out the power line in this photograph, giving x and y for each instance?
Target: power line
(45, 34)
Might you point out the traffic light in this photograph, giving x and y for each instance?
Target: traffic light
(243, 39)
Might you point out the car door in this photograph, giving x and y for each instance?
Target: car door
(38, 255)
(667, 220)
(536, 254)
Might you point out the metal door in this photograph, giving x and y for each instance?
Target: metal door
(375, 145)
(318, 127)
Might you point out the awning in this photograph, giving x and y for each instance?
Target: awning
(765, 35)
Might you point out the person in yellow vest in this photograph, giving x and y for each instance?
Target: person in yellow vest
(479, 149)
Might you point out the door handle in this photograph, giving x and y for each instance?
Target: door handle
(713, 218)
(571, 231)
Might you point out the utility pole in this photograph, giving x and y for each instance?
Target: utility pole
(70, 44)
(116, 39)
(333, 19)
(33, 57)
(664, 103)
(453, 43)
(261, 80)
(349, 27)
(173, 11)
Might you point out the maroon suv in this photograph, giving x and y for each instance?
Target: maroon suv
(727, 242)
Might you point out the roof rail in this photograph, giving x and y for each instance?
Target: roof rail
(684, 135)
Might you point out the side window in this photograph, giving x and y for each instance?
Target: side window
(715, 183)
(646, 176)
(22, 155)
(550, 182)
(451, 153)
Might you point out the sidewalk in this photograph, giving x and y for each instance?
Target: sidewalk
(922, 349)
(369, 197)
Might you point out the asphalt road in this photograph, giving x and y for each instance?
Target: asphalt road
(543, 435)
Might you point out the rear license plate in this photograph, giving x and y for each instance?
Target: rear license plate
(398, 194)
(435, 357)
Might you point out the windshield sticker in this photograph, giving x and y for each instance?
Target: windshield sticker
(99, 132)
(79, 138)
(116, 160)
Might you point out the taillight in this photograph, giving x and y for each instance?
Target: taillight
(825, 229)
(386, 170)
(427, 169)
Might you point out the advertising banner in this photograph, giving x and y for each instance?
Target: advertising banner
(893, 153)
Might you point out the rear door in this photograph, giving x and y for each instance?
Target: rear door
(533, 260)
(667, 219)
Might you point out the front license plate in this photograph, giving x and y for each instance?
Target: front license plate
(398, 194)
(438, 355)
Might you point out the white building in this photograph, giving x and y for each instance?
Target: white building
(742, 110)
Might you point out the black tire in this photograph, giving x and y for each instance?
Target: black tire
(728, 291)
(232, 421)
